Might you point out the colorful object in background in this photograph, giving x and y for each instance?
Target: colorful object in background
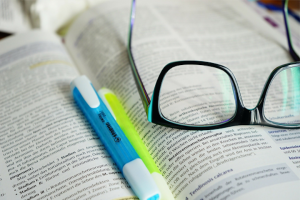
(293, 4)
(276, 7)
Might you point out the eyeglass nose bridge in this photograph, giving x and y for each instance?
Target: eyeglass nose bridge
(255, 116)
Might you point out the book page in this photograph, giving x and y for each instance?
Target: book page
(241, 162)
(12, 17)
(48, 149)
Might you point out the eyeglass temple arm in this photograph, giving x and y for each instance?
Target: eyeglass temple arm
(293, 53)
(140, 86)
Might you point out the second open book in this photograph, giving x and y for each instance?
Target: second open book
(48, 150)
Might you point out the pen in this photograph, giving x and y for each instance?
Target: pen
(114, 140)
(124, 122)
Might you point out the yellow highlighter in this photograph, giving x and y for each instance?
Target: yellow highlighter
(115, 107)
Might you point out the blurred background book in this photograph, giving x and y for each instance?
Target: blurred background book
(55, 15)
(21, 15)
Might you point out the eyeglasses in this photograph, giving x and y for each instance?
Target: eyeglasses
(184, 99)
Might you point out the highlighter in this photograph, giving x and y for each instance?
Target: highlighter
(113, 104)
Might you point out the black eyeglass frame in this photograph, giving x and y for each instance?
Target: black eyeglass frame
(242, 116)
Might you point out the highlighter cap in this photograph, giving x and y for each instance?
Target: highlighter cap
(86, 90)
(140, 180)
(162, 186)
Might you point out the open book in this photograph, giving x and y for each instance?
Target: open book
(49, 151)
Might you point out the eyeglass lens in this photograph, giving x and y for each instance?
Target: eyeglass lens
(282, 104)
(197, 95)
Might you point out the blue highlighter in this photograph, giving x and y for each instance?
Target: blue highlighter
(114, 139)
